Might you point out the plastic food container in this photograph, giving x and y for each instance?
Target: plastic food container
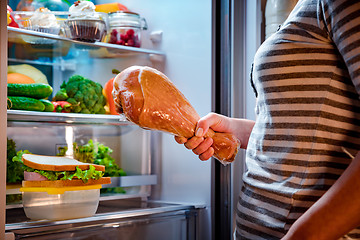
(44, 22)
(60, 203)
(125, 28)
(92, 29)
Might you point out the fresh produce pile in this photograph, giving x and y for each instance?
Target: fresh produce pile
(100, 154)
(28, 89)
(31, 97)
(84, 95)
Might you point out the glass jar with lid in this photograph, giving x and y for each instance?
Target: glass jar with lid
(125, 28)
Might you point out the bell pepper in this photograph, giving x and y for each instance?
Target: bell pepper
(108, 88)
(62, 106)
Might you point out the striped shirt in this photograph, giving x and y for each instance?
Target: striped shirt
(307, 76)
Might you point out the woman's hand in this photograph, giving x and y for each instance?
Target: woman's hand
(201, 146)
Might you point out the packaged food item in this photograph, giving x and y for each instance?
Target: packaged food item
(45, 21)
(84, 23)
(56, 188)
(125, 28)
(157, 104)
(42, 20)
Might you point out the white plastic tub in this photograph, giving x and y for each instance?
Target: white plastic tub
(60, 203)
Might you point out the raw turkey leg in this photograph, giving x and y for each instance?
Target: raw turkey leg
(149, 99)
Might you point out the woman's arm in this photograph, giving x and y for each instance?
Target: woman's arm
(201, 146)
(335, 213)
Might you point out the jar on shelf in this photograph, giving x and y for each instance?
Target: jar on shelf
(125, 28)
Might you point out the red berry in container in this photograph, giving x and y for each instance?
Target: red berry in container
(130, 33)
(130, 42)
(113, 39)
(124, 37)
(137, 43)
(114, 32)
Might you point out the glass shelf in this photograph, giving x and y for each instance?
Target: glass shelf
(71, 118)
(124, 181)
(62, 44)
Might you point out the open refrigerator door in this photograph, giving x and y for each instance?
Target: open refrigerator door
(160, 185)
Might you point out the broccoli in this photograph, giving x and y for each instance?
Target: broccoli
(84, 94)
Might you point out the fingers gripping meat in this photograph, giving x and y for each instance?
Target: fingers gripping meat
(149, 99)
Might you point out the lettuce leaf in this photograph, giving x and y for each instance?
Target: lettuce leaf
(103, 157)
(14, 168)
(84, 175)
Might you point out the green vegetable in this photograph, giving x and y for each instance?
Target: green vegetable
(49, 107)
(61, 95)
(97, 153)
(33, 90)
(85, 94)
(14, 170)
(14, 198)
(84, 175)
(25, 103)
(15, 166)
(84, 153)
(112, 190)
(62, 151)
(18, 157)
(103, 157)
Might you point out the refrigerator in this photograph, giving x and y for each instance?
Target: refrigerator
(206, 49)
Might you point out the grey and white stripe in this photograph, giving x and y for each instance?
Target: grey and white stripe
(307, 76)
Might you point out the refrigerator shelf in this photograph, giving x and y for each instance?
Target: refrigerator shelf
(131, 181)
(62, 44)
(111, 215)
(70, 118)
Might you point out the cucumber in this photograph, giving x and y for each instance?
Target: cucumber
(32, 90)
(49, 107)
(25, 103)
